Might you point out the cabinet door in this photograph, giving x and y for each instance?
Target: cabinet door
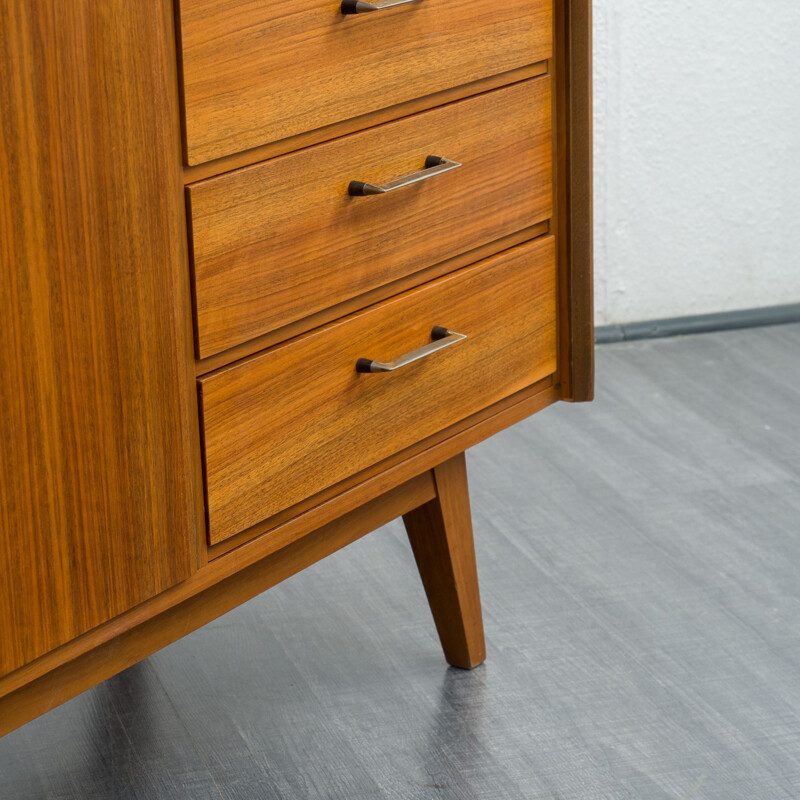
(96, 513)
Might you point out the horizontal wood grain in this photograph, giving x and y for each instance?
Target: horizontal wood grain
(331, 313)
(282, 240)
(259, 72)
(285, 424)
(96, 492)
(254, 155)
(283, 527)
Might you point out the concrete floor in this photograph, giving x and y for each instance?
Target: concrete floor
(640, 572)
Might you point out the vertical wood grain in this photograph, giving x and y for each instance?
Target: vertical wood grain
(96, 512)
(181, 616)
(573, 144)
(440, 533)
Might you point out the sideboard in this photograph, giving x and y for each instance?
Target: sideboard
(268, 270)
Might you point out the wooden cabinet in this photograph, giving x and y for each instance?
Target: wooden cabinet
(267, 271)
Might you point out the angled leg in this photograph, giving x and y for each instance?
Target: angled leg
(440, 533)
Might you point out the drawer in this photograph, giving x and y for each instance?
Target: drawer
(281, 240)
(299, 418)
(255, 71)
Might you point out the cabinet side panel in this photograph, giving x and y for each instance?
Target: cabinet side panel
(573, 98)
(95, 477)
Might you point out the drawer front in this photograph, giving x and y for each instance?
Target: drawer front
(257, 72)
(282, 240)
(299, 418)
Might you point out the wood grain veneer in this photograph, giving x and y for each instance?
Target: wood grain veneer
(96, 493)
(302, 524)
(285, 424)
(282, 240)
(207, 598)
(259, 72)
(102, 549)
(339, 310)
(246, 158)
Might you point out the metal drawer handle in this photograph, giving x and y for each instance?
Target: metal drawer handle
(442, 337)
(434, 165)
(360, 6)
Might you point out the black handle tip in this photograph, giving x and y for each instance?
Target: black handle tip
(356, 189)
(364, 365)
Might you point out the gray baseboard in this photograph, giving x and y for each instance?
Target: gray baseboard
(702, 323)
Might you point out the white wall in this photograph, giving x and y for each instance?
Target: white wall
(697, 156)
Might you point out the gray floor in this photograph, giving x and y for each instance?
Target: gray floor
(640, 572)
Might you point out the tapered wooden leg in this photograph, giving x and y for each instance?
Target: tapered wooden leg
(440, 533)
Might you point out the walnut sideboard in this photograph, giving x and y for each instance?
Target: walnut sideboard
(268, 269)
